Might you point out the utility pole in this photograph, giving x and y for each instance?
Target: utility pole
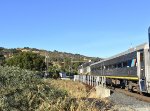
(71, 66)
(46, 62)
(64, 65)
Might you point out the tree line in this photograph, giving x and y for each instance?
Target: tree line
(36, 62)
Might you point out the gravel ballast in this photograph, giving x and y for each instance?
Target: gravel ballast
(123, 102)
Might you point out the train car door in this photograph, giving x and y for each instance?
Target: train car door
(147, 67)
(141, 70)
(142, 65)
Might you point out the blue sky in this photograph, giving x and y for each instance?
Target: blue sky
(99, 28)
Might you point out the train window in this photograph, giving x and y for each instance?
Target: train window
(106, 67)
(110, 66)
(141, 57)
(129, 63)
(125, 64)
(115, 66)
(132, 63)
(119, 65)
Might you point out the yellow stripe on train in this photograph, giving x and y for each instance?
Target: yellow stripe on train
(122, 77)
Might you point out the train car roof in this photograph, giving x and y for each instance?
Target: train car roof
(139, 47)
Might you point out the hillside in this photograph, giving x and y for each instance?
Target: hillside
(54, 55)
(58, 56)
(66, 62)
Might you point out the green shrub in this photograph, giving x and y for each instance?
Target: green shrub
(21, 90)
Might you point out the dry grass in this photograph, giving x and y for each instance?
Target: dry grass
(81, 97)
(74, 89)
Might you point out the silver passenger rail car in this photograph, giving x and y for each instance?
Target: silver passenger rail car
(130, 69)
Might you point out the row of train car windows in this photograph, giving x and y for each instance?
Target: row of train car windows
(129, 63)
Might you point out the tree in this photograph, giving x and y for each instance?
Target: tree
(2, 59)
(27, 60)
(1, 49)
(54, 71)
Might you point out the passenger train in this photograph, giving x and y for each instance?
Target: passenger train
(130, 69)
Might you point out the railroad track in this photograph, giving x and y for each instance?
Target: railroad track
(140, 97)
(145, 98)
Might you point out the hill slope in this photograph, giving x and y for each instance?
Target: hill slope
(67, 62)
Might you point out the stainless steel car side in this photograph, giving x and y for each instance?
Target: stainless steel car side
(130, 69)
